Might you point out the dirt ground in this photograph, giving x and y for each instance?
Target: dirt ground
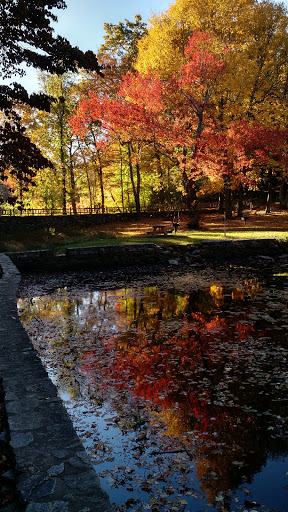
(256, 220)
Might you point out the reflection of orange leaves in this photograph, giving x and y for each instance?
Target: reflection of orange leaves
(171, 372)
(89, 361)
(109, 344)
(243, 330)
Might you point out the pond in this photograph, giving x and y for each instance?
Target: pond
(176, 383)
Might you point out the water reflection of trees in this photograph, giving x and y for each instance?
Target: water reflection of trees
(208, 377)
(195, 378)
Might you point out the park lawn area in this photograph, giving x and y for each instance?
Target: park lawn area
(211, 227)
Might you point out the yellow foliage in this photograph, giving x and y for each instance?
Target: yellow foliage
(217, 293)
(256, 37)
(162, 49)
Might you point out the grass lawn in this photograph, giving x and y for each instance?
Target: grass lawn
(212, 227)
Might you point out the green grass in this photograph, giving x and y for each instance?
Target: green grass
(188, 237)
(58, 242)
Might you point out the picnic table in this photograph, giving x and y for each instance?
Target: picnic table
(158, 229)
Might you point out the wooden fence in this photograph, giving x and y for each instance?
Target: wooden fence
(94, 210)
(59, 211)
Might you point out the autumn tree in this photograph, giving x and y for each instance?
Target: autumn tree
(27, 37)
(163, 49)
(267, 147)
(51, 132)
(255, 88)
(57, 132)
(173, 114)
(121, 42)
(77, 176)
(164, 116)
(116, 55)
(107, 114)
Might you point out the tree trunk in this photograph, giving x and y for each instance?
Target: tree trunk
(89, 186)
(283, 194)
(64, 202)
(73, 186)
(135, 187)
(21, 196)
(269, 193)
(73, 191)
(190, 192)
(100, 174)
(228, 199)
(121, 179)
(62, 156)
(240, 201)
(137, 199)
(87, 177)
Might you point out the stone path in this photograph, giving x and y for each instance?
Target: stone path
(53, 472)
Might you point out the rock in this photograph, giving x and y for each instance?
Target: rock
(265, 258)
(56, 470)
(174, 262)
(54, 506)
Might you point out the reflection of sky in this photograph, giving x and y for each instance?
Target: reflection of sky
(121, 449)
(273, 476)
(221, 313)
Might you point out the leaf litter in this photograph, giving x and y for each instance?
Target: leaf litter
(177, 386)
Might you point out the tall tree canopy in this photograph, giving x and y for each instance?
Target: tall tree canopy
(254, 87)
(256, 33)
(198, 97)
(121, 41)
(27, 37)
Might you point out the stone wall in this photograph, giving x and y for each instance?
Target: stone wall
(81, 258)
(53, 471)
(227, 249)
(106, 257)
(58, 222)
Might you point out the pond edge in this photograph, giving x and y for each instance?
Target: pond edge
(52, 469)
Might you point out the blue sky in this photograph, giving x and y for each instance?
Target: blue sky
(82, 23)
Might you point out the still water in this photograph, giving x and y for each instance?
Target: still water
(177, 384)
